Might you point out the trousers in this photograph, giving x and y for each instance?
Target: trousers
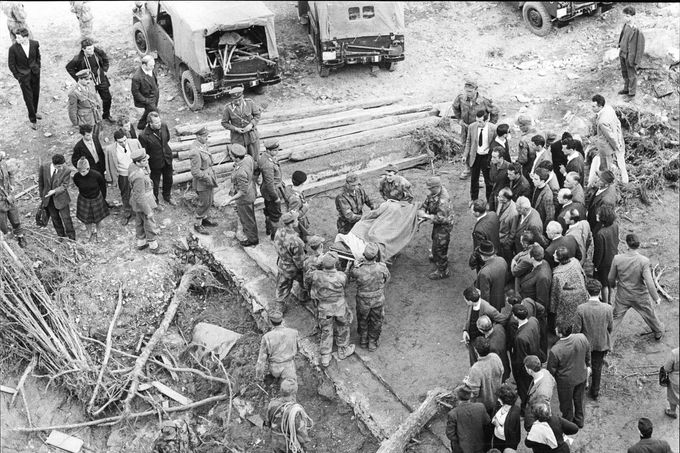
(141, 124)
(61, 220)
(283, 370)
(272, 215)
(205, 201)
(30, 89)
(481, 165)
(246, 215)
(14, 219)
(571, 401)
(441, 236)
(629, 73)
(523, 381)
(369, 321)
(284, 284)
(146, 229)
(105, 95)
(124, 187)
(334, 328)
(644, 308)
(156, 173)
(597, 361)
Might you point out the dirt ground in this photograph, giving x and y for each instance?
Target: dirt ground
(446, 43)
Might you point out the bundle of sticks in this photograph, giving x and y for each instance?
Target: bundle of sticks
(311, 132)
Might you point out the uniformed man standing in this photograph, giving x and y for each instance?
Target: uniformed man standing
(240, 117)
(327, 289)
(350, 203)
(394, 186)
(288, 421)
(525, 153)
(291, 252)
(204, 180)
(278, 348)
(272, 188)
(295, 202)
(143, 202)
(84, 106)
(437, 208)
(312, 260)
(85, 18)
(8, 206)
(371, 277)
(243, 193)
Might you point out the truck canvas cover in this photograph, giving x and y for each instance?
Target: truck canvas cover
(193, 21)
(334, 19)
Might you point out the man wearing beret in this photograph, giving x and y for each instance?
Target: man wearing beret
(272, 188)
(350, 203)
(465, 107)
(295, 202)
(243, 193)
(143, 203)
(95, 60)
(278, 348)
(118, 160)
(394, 186)
(437, 208)
(240, 118)
(291, 252)
(327, 289)
(371, 276)
(204, 180)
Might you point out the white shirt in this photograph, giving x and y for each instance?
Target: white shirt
(521, 322)
(481, 217)
(26, 46)
(484, 149)
(123, 159)
(538, 156)
(499, 421)
(52, 170)
(572, 156)
(149, 73)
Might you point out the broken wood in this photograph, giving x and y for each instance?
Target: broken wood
(415, 422)
(10, 390)
(657, 276)
(25, 191)
(170, 393)
(294, 114)
(22, 379)
(64, 442)
(186, 176)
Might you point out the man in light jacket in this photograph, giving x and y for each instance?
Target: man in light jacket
(608, 129)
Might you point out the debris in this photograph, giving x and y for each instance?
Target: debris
(47, 134)
(144, 386)
(527, 65)
(244, 408)
(523, 99)
(572, 76)
(256, 420)
(170, 393)
(6, 389)
(211, 338)
(542, 73)
(662, 43)
(64, 442)
(663, 89)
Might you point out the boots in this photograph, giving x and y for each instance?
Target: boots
(372, 345)
(345, 352)
(363, 340)
(21, 241)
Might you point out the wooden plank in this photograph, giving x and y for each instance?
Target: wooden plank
(185, 165)
(9, 390)
(170, 393)
(64, 442)
(293, 114)
(144, 386)
(186, 176)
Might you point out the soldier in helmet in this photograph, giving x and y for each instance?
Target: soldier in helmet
(243, 193)
(278, 348)
(465, 107)
(288, 421)
(350, 203)
(437, 209)
(327, 288)
(272, 188)
(394, 186)
(371, 277)
(291, 251)
(240, 118)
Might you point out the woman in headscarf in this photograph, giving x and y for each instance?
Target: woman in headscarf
(91, 208)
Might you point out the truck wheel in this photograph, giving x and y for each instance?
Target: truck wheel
(389, 65)
(191, 90)
(140, 39)
(537, 18)
(324, 71)
(259, 89)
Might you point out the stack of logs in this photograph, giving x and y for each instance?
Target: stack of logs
(311, 132)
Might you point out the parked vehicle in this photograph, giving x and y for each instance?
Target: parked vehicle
(540, 16)
(345, 33)
(210, 46)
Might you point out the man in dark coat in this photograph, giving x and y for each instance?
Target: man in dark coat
(53, 181)
(574, 160)
(536, 284)
(543, 200)
(647, 444)
(498, 173)
(90, 149)
(155, 139)
(554, 233)
(24, 64)
(495, 333)
(491, 277)
(526, 342)
(566, 200)
(603, 193)
(631, 49)
(486, 228)
(466, 424)
(518, 182)
(527, 220)
(144, 88)
(96, 61)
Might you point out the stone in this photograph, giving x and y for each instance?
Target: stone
(572, 76)
(523, 99)
(527, 65)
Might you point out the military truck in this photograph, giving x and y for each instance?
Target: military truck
(540, 16)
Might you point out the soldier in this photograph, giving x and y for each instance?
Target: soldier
(291, 252)
(525, 152)
(465, 107)
(84, 106)
(243, 193)
(394, 186)
(313, 260)
(350, 203)
(327, 288)
(295, 202)
(95, 60)
(84, 16)
(288, 421)
(277, 350)
(437, 208)
(240, 117)
(272, 188)
(16, 18)
(204, 180)
(371, 277)
(8, 206)
(143, 202)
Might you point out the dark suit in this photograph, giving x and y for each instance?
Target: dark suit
(491, 281)
(465, 427)
(58, 203)
(531, 222)
(499, 180)
(558, 158)
(498, 343)
(650, 445)
(487, 228)
(527, 342)
(81, 150)
(593, 203)
(573, 205)
(145, 94)
(160, 158)
(567, 361)
(520, 188)
(567, 241)
(543, 201)
(632, 47)
(26, 69)
(511, 429)
(99, 66)
(479, 163)
(536, 284)
(577, 165)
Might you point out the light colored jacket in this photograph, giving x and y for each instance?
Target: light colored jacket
(111, 159)
(84, 106)
(608, 127)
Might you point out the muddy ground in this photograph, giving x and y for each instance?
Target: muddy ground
(446, 43)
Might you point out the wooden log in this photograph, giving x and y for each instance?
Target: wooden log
(415, 422)
(186, 176)
(185, 165)
(363, 138)
(287, 115)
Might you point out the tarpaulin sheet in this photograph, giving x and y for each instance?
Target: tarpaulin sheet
(392, 226)
(334, 21)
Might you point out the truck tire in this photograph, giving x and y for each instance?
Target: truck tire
(324, 71)
(140, 39)
(259, 89)
(537, 18)
(191, 90)
(389, 65)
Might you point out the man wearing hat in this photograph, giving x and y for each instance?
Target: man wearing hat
(603, 192)
(155, 138)
(495, 335)
(288, 421)
(371, 276)
(8, 207)
(143, 203)
(327, 289)
(291, 252)
(204, 180)
(240, 118)
(84, 106)
(272, 188)
(118, 159)
(491, 277)
(486, 228)
(278, 348)
(465, 107)
(95, 60)
(144, 89)
(394, 186)
(350, 203)
(437, 209)
(466, 424)
(295, 202)
(243, 193)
